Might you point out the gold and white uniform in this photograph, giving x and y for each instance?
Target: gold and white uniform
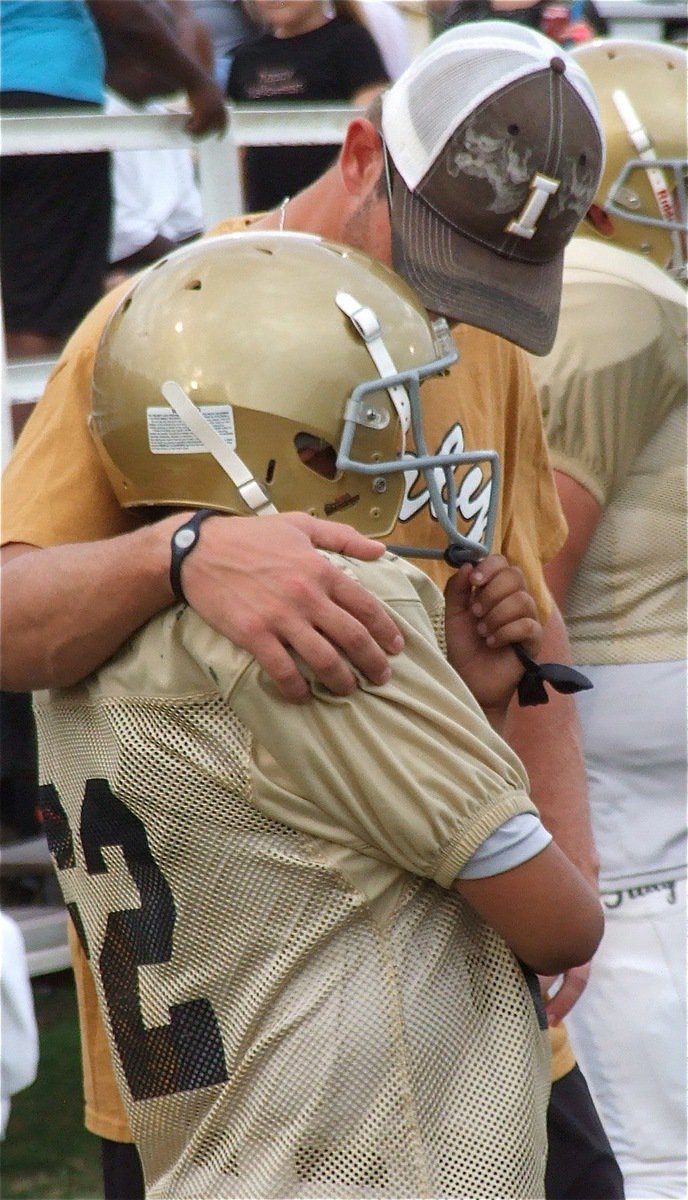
(296, 1002)
(613, 392)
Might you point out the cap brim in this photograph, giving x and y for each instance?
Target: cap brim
(465, 281)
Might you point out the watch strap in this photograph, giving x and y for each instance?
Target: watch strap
(183, 541)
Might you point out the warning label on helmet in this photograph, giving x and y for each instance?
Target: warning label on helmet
(167, 433)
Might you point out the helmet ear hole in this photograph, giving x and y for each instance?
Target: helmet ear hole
(316, 454)
(600, 220)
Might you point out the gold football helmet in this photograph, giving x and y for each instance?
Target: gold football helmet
(263, 372)
(641, 88)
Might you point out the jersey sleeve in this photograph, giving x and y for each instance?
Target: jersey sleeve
(54, 489)
(595, 385)
(410, 773)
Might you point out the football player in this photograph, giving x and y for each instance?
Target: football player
(613, 392)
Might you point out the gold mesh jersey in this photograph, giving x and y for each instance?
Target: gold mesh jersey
(614, 404)
(487, 400)
(297, 1003)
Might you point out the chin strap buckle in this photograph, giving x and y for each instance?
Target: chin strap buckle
(531, 689)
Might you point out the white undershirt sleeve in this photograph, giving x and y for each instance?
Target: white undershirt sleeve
(517, 840)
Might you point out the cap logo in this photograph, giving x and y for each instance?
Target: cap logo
(482, 149)
(541, 188)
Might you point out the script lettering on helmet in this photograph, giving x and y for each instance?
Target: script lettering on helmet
(472, 495)
(541, 188)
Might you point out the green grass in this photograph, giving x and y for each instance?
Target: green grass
(47, 1153)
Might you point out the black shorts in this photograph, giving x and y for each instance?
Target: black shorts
(580, 1161)
(122, 1171)
(55, 212)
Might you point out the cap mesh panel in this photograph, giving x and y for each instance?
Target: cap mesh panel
(439, 105)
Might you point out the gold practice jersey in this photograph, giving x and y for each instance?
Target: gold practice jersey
(297, 1003)
(613, 393)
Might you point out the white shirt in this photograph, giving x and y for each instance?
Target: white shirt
(155, 193)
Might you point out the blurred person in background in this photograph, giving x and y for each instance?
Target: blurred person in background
(156, 199)
(566, 22)
(228, 25)
(390, 29)
(54, 59)
(311, 51)
(19, 1033)
(613, 392)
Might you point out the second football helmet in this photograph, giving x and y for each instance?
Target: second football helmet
(641, 88)
(263, 372)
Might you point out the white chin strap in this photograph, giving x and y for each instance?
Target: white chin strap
(369, 329)
(367, 325)
(234, 467)
(640, 140)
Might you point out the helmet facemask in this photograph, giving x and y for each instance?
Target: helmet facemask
(641, 88)
(650, 191)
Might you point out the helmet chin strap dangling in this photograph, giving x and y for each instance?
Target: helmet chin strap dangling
(233, 466)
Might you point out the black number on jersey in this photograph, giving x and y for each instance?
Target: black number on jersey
(61, 847)
(187, 1053)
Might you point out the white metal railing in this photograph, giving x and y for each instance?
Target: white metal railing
(219, 174)
(640, 18)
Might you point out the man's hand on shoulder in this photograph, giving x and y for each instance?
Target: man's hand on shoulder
(262, 583)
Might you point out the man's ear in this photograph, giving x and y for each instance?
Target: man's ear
(600, 221)
(360, 159)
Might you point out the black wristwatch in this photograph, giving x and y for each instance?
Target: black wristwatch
(183, 541)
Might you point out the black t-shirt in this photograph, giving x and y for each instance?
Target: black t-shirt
(328, 64)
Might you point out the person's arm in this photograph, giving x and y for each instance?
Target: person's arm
(420, 781)
(583, 512)
(548, 740)
(568, 819)
(141, 29)
(544, 909)
(488, 608)
(259, 581)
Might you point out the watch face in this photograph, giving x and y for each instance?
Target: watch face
(184, 538)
